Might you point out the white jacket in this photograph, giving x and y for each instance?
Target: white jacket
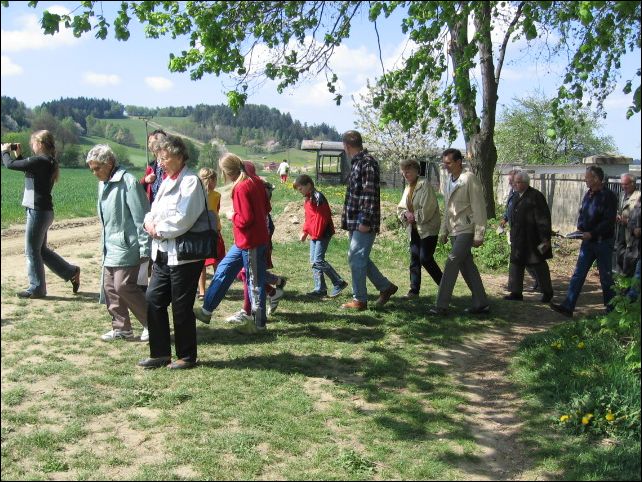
(177, 206)
(464, 208)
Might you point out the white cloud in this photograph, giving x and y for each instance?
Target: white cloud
(618, 100)
(159, 84)
(29, 35)
(314, 94)
(100, 80)
(8, 67)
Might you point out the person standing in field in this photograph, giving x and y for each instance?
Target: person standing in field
(41, 173)
(418, 210)
(361, 218)
(464, 222)
(319, 227)
(122, 206)
(283, 170)
(154, 173)
(209, 178)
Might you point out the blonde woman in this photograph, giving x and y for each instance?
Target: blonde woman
(251, 237)
(418, 210)
(41, 172)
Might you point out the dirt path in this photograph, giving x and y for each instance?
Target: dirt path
(480, 367)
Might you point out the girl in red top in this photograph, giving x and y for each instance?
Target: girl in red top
(249, 226)
(319, 227)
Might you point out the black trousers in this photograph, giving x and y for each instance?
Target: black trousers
(541, 274)
(422, 254)
(176, 285)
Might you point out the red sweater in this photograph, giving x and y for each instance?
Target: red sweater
(318, 218)
(251, 207)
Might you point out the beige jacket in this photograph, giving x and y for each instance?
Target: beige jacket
(426, 208)
(465, 208)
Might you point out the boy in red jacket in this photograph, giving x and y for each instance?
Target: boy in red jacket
(319, 227)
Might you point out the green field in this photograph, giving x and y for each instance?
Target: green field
(74, 196)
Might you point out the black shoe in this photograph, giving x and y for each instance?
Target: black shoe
(158, 362)
(318, 294)
(28, 294)
(482, 310)
(514, 297)
(562, 310)
(546, 297)
(75, 280)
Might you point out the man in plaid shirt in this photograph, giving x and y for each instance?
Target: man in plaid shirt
(361, 218)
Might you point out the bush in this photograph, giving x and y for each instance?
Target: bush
(494, 254)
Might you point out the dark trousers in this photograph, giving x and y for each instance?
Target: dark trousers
(539, 272)
(422, 254)
(176, 285)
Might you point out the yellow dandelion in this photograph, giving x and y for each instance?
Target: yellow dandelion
(587, 418)
(609, 416)
(581, 345)
(564, 418)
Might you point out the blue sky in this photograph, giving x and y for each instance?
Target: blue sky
(38, 68)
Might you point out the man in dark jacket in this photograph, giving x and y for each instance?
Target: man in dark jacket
(596, 222)
(530, 235)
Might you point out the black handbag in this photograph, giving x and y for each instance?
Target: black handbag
(196, 245)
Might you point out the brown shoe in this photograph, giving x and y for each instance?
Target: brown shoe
(385, 295)
(354, 305)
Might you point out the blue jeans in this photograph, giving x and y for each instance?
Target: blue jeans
(602, 251)
(362, 266)
(253, 260)
(320, 266)
(39, 255)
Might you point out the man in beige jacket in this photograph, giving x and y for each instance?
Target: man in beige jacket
(464, 221)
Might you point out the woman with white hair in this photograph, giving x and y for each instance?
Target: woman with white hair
(122, 205)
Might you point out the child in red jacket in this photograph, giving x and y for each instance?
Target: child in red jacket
(319, 227)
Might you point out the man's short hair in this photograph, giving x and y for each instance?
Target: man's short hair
(596, 171)
(455, 154)
(353, 139)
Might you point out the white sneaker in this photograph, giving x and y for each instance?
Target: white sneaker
(144, 336)
(112, 335)
(272, 304)
(239, 317)
(278, 294)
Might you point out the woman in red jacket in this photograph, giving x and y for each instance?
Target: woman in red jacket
(249, 226)
(319, 227)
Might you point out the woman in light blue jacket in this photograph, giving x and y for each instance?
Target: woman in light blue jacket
(122, 205)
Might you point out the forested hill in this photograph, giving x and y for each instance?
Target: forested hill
(258, 124)
(253, 122)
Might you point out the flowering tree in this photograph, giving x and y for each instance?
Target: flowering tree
(390, 140)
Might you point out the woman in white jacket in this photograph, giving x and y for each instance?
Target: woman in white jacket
(418, 210)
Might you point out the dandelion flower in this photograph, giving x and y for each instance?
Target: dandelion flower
(609, 416)
(587, 418)
(581, 345)
(564, 418)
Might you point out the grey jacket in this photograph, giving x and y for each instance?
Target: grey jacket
(122, 205)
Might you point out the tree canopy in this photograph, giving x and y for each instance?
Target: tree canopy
(300, 38)
(522, 138)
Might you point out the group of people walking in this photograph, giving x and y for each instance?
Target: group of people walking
(142, 221)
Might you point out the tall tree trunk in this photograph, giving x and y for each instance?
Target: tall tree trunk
(478, 132)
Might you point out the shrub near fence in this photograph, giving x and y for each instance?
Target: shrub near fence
(74, 196)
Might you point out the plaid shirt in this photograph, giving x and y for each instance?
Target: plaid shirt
(361, 205)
